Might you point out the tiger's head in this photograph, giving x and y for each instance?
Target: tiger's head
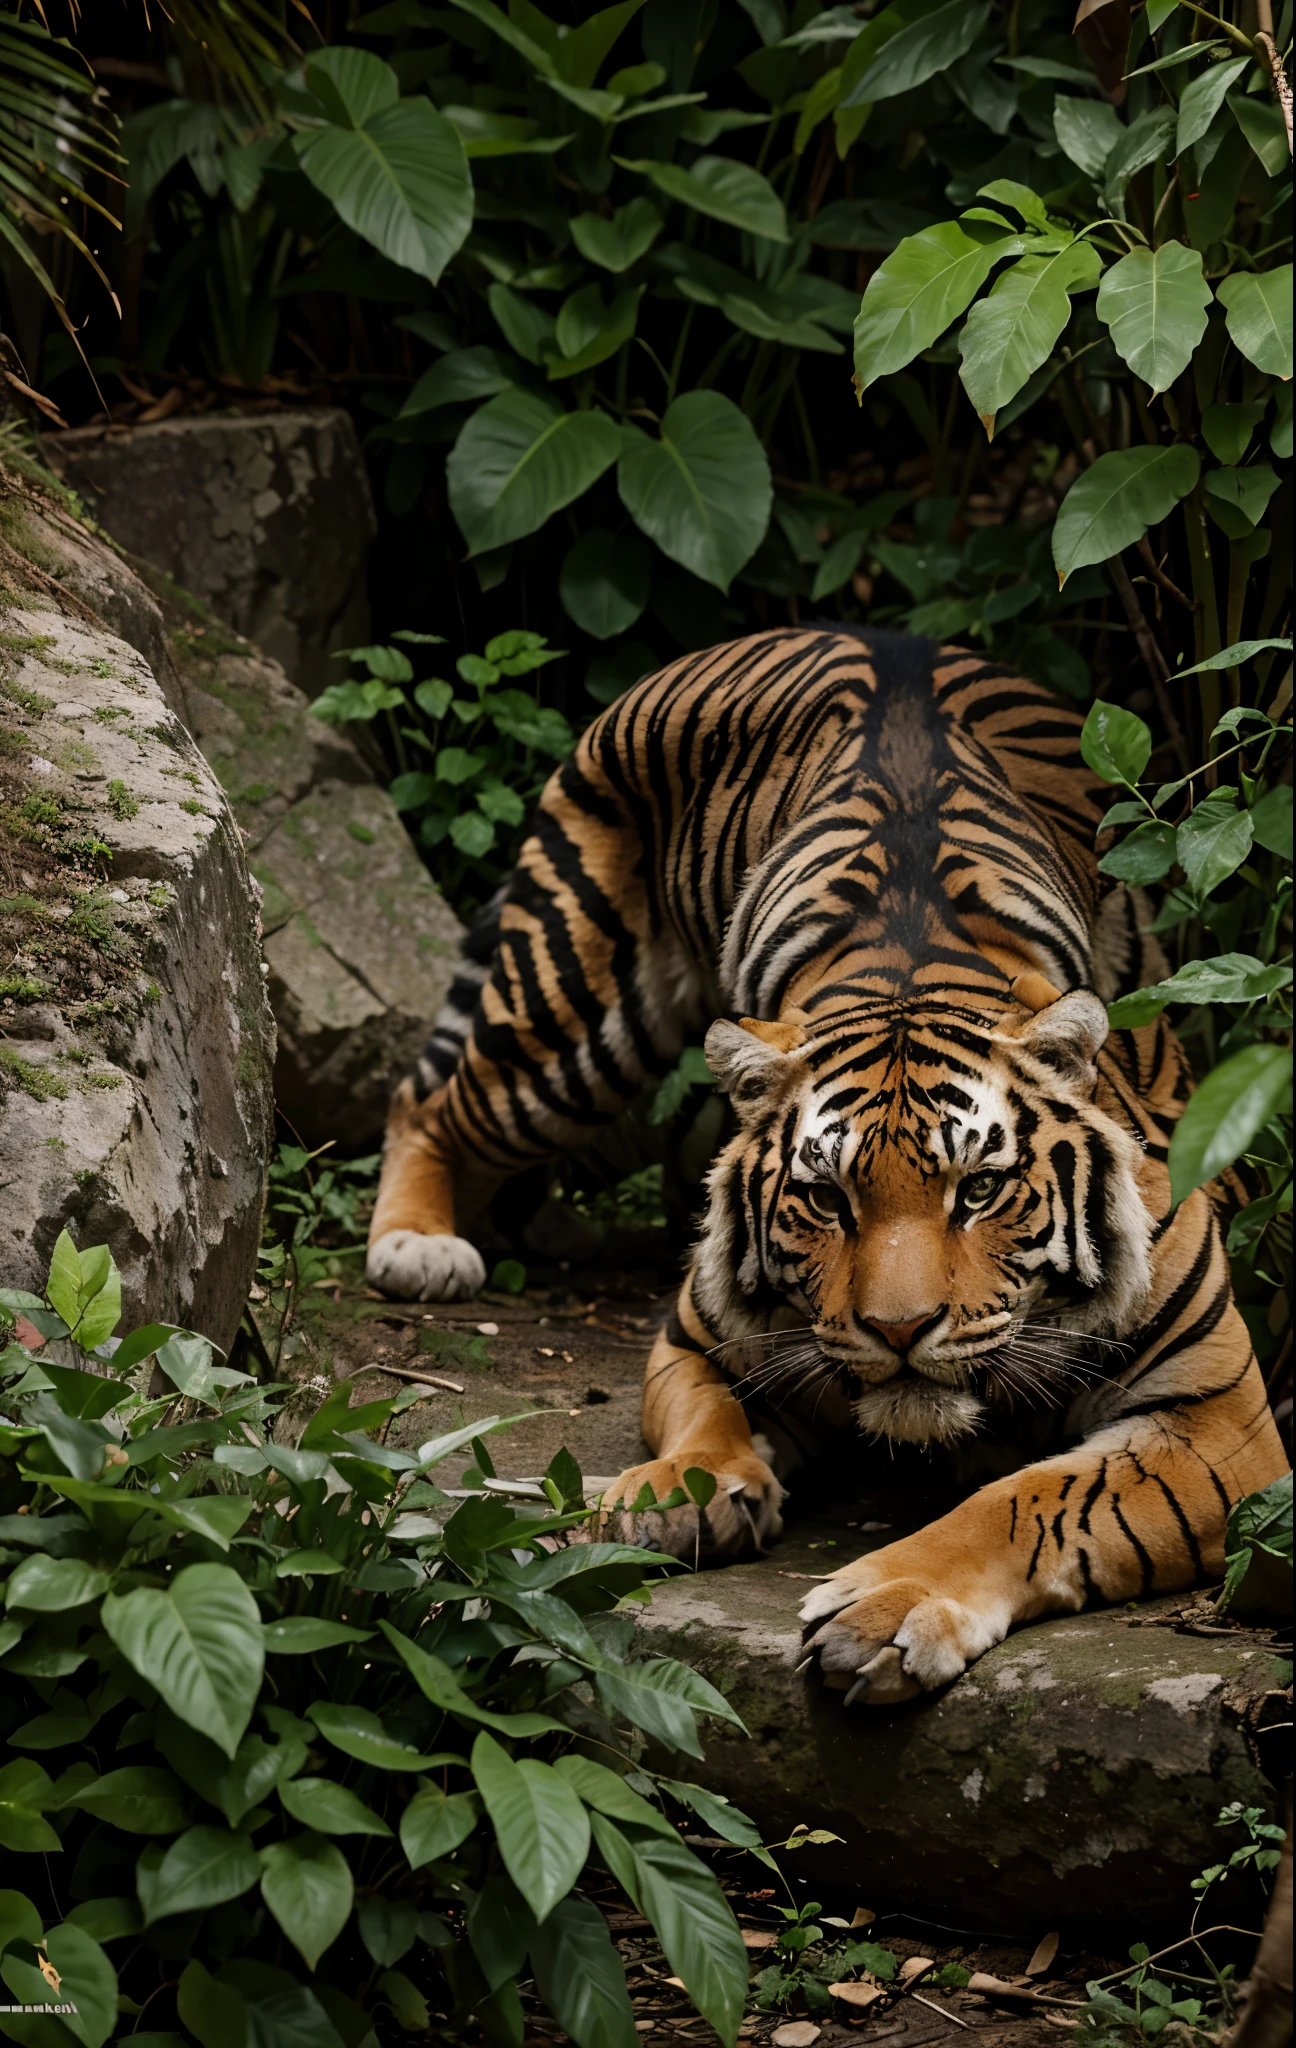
(916, 1185)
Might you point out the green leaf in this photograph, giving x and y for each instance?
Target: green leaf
(19, 1920)
(715, 1813)
(63, 1285)
(917, 52)
(398, 178)
(1271, 821)
(1228, 1111)
(1153, 302)
(1261, 121)
(695, 1926)
(358, 1733)
(587, 332)
(1202, 98)
(1145, 856)
(139, 1798)
(199, 1643)
(581, 1978)
(1258, 316)
(437, 1682)
(203, 1867)
(1245, 493)
(617, 243)
(1116, 743)
(435, 1823)
(24, 1790)
(722, 188)
(88, 1984)
(703, 491)
(527, 327)
(1088, 131)
(925, 283)
(1009, 333)
(51, 1585)
(1213, 841)
(541, 1827)
(329, 1808)
(606, 1792)
(604, 582)
(520, 459)
(1114, 502)
(1227, 429)
(301, 1635)
(1229, 978)
(466, 373)
(306, 1882)
(388, 1927)
(1233, 657)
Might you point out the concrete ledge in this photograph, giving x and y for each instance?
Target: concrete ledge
(1072, 1777)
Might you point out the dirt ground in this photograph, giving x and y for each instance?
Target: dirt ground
(567, 1359)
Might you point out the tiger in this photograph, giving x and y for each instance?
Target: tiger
(864, 866)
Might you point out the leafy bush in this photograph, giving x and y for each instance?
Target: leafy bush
(489, 749)
(305, 1744)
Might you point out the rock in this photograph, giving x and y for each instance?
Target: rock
(1073, 1775)
(136, 1044)
(360, 944)
(265, 516)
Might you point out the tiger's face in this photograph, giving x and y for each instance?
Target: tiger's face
(918, 1192)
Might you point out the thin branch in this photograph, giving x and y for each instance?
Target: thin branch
(1264, 42)
(1159, 577)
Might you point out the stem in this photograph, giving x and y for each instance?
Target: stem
(1186, 1942)
(677, 360)
(1227, 26)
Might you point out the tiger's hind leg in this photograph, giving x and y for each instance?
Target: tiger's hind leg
(569, 1023)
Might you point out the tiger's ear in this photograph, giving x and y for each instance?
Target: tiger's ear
(1066, 1034)
(753, 1061)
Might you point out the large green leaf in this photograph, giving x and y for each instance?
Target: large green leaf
(1154, 303)
(691, 1917)
(1229, 1110)
(203, 1867)
(723, 188)
(604, 582)
(435, 1823)
(302, 1635)
(438, 1683)
(703, 491)
(1201, 100)
(1010, 332)
(330, 1808)
(307, 1884)
(520, 459)
(1088, 131)
(463, 374)
(581, 1978)
(917, 52)
(925, 283)
(358, 1733)
(1113, 504)
(1229, 978)
(199, 1643)
(140, 1798)
(588, 332)
(87, 1990)
(1259, 316)
(1213, 841)
(617, 243)
(396, 173)
(542, 1829)
(1237, 498)
(51, 1585)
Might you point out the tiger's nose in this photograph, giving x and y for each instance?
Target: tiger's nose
(900, 1336)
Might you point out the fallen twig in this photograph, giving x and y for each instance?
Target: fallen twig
(932, 2006)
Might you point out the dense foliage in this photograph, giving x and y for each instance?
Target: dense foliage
(295, 1742)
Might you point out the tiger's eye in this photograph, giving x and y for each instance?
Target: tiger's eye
(828, 1201)
(980, 1188)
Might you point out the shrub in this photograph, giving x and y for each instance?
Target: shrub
(304, 1743)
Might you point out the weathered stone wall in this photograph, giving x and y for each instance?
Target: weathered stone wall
(136, 1043)
(266, 517)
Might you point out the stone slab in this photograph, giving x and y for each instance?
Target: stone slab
(1072, 1777)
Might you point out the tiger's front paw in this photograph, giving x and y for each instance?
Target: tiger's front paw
(412, 1267)
(881, 1639)
(738, 1521)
